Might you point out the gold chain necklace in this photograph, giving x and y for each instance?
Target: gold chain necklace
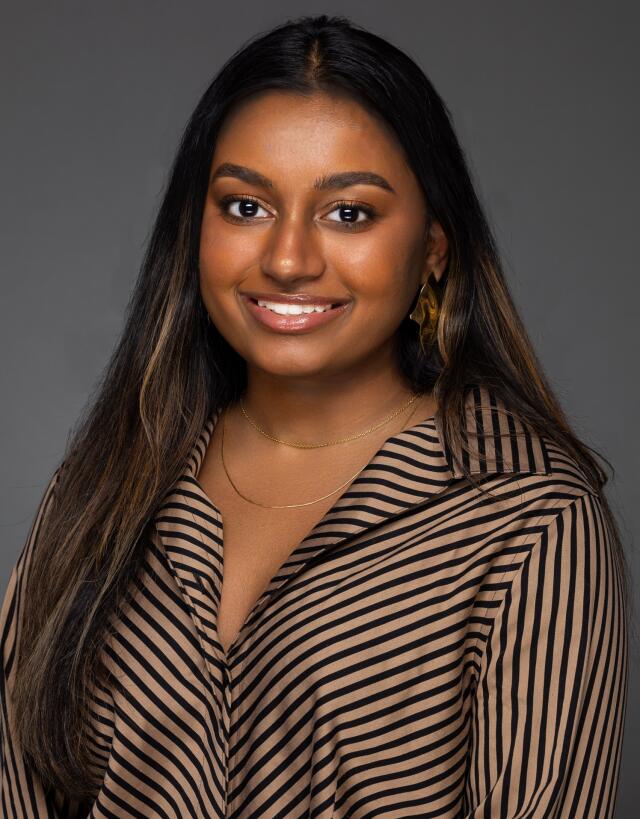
(291, 505)
(330, 443)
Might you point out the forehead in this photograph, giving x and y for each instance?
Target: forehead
(286, 135)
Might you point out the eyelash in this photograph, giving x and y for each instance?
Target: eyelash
(353, 226)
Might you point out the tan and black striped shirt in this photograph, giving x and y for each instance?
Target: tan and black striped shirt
(425, 651)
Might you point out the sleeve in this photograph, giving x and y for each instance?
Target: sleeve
(22, 793)
(548, 712)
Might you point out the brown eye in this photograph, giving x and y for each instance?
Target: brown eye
(245, 208)
(352, 213)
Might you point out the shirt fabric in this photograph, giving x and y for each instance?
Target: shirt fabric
(424, 651)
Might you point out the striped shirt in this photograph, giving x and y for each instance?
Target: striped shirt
(426, 650)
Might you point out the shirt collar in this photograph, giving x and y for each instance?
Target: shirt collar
(499, 443)
(408, 472)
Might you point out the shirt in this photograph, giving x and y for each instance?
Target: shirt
(426, 650)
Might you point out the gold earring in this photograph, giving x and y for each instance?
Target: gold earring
(426, 307)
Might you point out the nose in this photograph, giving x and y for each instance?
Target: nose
(292, 250)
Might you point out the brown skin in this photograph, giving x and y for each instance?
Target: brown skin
(340, 379)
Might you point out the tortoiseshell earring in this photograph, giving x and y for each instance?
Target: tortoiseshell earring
(426, 307)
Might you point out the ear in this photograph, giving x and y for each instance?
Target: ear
(437, 251)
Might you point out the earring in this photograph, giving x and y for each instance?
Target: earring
(426, 307)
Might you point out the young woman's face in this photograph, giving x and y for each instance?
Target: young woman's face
(283, 218)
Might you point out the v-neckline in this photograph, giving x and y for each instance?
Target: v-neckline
(398, 437)
(408, 470)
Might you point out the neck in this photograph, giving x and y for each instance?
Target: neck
(312, 410)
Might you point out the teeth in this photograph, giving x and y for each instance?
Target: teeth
(293, 309)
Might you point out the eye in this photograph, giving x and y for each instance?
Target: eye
(246, 208)
(349, 214)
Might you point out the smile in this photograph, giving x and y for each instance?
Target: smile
(293, 309)
(292, 318)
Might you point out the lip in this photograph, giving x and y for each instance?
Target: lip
(292, 324)
(294, 298)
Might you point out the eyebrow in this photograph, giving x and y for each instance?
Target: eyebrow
(331, 181)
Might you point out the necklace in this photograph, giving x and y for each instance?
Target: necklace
(330, 443)
(288, 505)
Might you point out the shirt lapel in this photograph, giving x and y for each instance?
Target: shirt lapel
(408, 470)
(499, 441)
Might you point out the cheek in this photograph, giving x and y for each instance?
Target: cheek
(384, 287)
(224, 255)
(216, 277)
(379, 265)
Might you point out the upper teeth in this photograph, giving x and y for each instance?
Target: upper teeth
(293, 309)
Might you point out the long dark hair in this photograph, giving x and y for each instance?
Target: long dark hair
(172, 369)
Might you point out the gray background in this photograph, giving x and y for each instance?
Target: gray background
(94, 97)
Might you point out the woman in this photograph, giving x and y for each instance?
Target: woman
(323, 386)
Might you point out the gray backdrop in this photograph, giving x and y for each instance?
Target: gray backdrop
(94, 97)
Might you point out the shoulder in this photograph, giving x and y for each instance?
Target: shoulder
(19, 571)
(498, 447)
(527, 490)
(530, 502)
(43, 509)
